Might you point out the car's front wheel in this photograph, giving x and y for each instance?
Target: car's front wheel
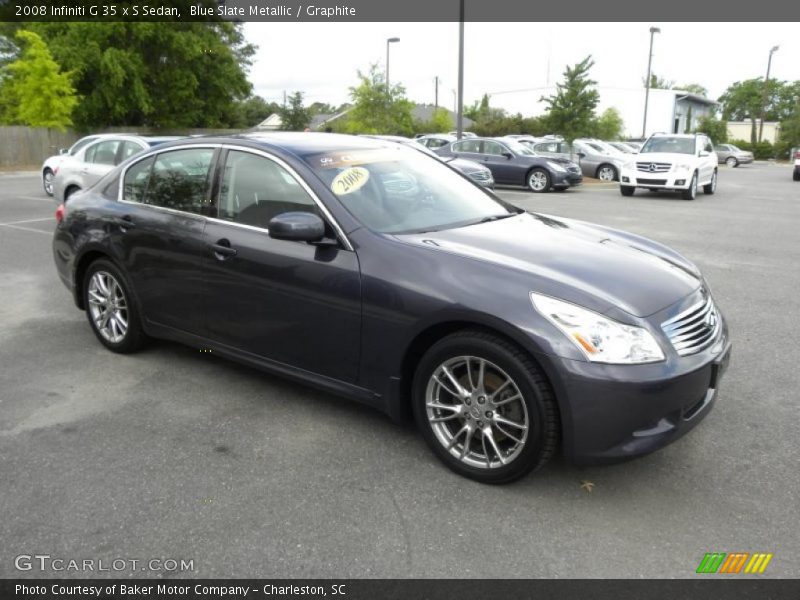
(690, 193)
(627, 190)
(711, 187)
(607, 173)
(484, 407)
(539, 181)
(110, 308)
(47, 181)
(732, 162)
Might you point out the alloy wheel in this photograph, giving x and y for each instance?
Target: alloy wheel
(48, 182)
(477, 412)
(108, 307)
(606, 174)
(538, 181)
(731, 162)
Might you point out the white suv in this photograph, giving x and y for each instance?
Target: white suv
(672, 162)
(796, 154)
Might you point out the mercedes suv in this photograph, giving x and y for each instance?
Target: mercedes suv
(672, 162)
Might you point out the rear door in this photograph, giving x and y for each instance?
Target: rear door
(99, 159)
(160, 226)
(291, 302)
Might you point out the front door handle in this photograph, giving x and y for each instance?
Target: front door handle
(125, 222)
(222, 249)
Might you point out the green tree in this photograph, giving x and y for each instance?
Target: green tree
(609, 125)
(658, 83)
(35, 91)
(571, 109)
(251, 111)
(321, 108)
(440, 122)
(714, 128)
(478, 110)
(158, 74)
(745, 100)
(294, 116)
(376, 108)
(693, 88)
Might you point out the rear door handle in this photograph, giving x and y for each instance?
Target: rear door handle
(125, 222)
(222, 249)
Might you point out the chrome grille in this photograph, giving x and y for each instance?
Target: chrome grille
(653, 167)
(695, 328)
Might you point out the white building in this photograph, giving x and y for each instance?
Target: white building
(667, 111)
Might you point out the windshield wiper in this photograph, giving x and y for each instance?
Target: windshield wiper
(496, 217)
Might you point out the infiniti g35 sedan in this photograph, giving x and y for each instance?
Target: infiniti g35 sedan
(373, 271)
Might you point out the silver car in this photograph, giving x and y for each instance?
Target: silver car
(733, 156)
(595, 158)
(93, 160)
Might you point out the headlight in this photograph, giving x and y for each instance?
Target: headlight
(599, 338)
(629, 165)
(556, 167)
(683, 167)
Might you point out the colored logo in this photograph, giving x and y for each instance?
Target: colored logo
(734, 562)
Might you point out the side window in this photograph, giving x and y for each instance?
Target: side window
(473, 146)
(76, 147)
(129, 149)
(434, 143)
(103, 153)
(709, 146)
(492, 148)
(136, 179)
(179, 180)
(255, 189)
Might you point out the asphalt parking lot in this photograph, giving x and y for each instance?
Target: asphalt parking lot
(174, 454)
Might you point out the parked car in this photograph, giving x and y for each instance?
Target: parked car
(623, 147)
(435, 140)
(796, 154)
(96, 158)
(512, 163)
(478, 173)
(732, 156)
(504, 333)
(672, 162)
(464, 134)
(594, 159)
(52, 163)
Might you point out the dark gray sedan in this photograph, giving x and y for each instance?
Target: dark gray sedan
(512, 163)
(367, 269)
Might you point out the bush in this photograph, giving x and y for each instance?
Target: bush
(762, 150)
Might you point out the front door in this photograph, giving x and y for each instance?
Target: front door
(291, 302)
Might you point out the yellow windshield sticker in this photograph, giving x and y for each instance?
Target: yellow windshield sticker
(349, 180)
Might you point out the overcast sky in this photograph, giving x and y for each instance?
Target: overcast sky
(321, 59)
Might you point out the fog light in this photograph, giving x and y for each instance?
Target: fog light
(680, 182)
(625, 179)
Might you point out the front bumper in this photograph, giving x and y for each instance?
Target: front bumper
(614, 412)
(670, 180)
(566, 179)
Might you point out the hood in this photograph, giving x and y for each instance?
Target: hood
(663, 157)
(616, 269)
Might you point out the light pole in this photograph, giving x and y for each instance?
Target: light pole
(460, 111)
(653, 31)
(766, 92)
(391, 40)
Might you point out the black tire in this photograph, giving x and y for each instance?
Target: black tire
(47, 181)
(627, 190)
(608, 171)
(732, 162)
(690, 193)
(562, 189)
(710, 188)
(796, 176)
(539, 181)
(535, 391)
(134, 336)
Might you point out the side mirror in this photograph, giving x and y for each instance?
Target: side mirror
(297, 226)
(62, 150)
(508, 155)
(581, 155)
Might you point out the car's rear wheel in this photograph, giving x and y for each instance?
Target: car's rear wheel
(539, 180)
(690, 193)
(484, 407)
(110, 308)
(711, 187)
(732, 162)
(627, 190)
(796, 175)
(47, 181)
(607, 173)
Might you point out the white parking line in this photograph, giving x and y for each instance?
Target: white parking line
(28, 221)
(34, 198)
(20, 228)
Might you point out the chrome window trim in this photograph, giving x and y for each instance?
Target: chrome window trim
(257, 151)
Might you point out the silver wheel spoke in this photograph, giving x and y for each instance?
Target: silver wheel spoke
(444, 386)
(95, 298)
(456, 436)
(454, 381)
(505, 421)
(498, 390)
(481, 375)
(507, 400)
(450, 407)
(469, 375)
(467, 441)
(507, 434)
(488, 435)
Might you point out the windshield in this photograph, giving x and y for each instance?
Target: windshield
(672, 145)
(518, 148)
(399, 190)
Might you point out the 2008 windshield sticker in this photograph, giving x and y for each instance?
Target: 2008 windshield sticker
(349, 180)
